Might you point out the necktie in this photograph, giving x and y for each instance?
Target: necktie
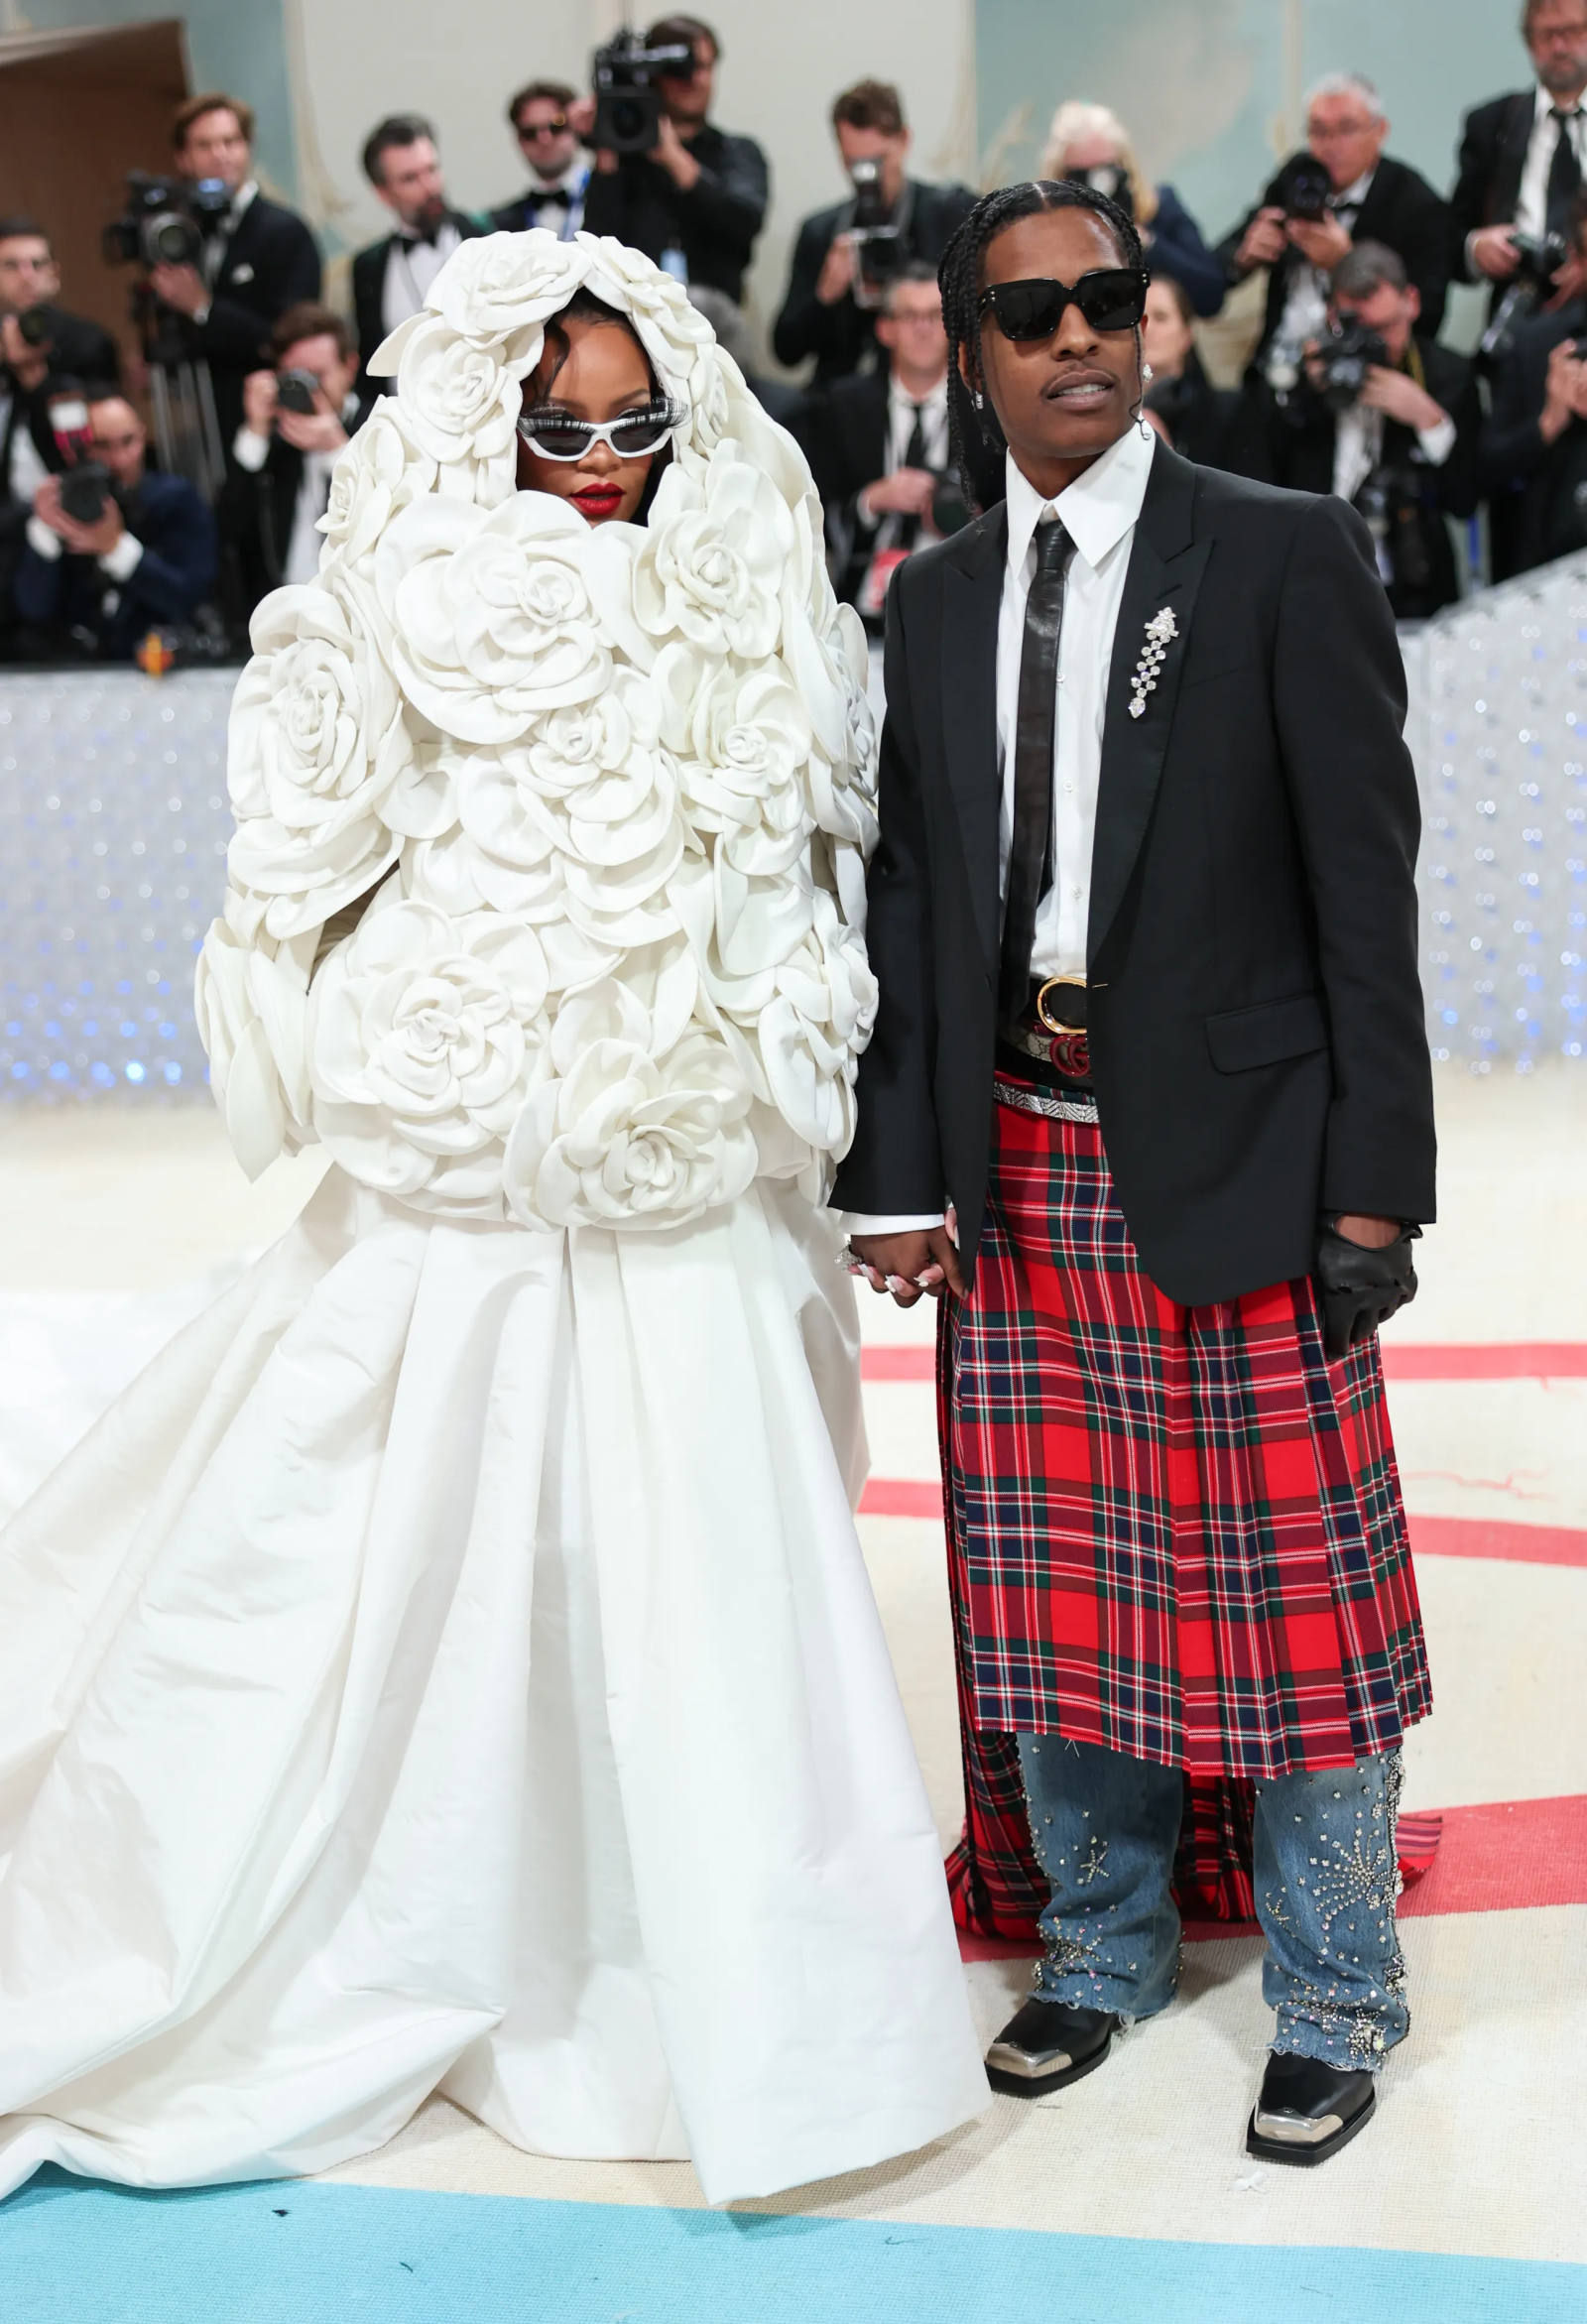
(1564, 174)
(913, 457)
(1030, 871)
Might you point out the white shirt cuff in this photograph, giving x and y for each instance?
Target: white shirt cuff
(249, 450)
(43, 541)
(1437, 442)
(858, 1222)
(122, 562)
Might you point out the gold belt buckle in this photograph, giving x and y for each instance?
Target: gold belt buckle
(1057, 1025)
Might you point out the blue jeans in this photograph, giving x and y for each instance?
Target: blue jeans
(1105, 1829)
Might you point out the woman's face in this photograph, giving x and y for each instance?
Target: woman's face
(604, 376)
(1165, 336)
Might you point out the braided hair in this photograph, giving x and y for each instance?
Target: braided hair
(973, 430)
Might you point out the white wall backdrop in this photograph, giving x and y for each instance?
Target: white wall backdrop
(458, 61)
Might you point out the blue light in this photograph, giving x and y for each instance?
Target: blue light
(134, 1071)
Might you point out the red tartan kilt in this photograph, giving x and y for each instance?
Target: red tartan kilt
(1174, 1531)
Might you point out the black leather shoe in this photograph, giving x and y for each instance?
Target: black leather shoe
(1046, 2046)
(1307, 2110)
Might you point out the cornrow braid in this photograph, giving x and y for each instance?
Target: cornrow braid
(974, 430)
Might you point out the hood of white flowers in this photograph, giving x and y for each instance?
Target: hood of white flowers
(612, 788)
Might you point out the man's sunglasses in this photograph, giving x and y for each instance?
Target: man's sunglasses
(1113, 298)
(557, 436)
(527, 131)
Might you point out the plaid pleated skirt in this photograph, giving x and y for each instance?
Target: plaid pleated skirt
(1174, 1531)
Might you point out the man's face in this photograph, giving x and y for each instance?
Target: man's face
(1345, 138)
(1070, 397)
(912, 329)
(1386, 310)
(217, 148)
(888, 146)
(118, 440)
(687, 101)
(1556, 41)
(544, 139)
(321, 355)
(410, 183)
(28, 273)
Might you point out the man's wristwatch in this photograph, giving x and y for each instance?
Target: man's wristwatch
(1358, 1288)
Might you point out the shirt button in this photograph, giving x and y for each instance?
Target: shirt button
(1069, 787)
(1075, 893)
(1060, 678)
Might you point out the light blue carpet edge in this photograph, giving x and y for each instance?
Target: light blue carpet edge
(290, 2252)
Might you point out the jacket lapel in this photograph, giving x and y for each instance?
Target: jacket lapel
(1166, 563)
(971, 601)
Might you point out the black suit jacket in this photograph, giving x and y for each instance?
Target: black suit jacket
(841, 336)
(1493, 155)
(271, 261)
(369, 293)
(1258, 1045)
(256, 512)
(1401, 209)
(1540, 480)
(174, 576)
(714, 224)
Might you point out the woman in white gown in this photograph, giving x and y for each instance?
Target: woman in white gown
(450, 1665)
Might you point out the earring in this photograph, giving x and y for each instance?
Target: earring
(980, 401)
(1148, 374)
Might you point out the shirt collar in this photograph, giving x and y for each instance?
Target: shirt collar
(1098, 508)
(1545, 105)
(1351, 197)
(934, 400)
(245, 193)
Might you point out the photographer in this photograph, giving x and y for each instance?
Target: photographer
(258, 258)
(842, 255)
(1389, 420)
(1182, 403)
(98, 578)
(695, 202)
(1533, 455)
(296, 420)
(549, 120)
(879, 448)
(1341, 191)
(1090, 143)
(1521, 156)
(391, 278)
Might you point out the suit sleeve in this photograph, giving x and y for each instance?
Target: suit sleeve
(1339, 696)
(805, 326)
(1458, 490)
(893, 1169)
(1423, 244)
(178, 568)
(1178, 250)
(1468, 205)
(729, 204)
(1512, 443)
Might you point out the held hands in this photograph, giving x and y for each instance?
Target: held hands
(837, 271)
(1396, 395)
(95, 539)
(180, 287)
(922, 1262)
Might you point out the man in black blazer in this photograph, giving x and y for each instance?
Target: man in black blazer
(391, 277)
(1371, 198)
(1533, 446)
(1405, 450)
(258, 258)
(821, 316)
(1144, 922)
(1522, 155)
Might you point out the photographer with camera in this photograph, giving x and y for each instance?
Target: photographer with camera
(1388, 420)
(843, 256)
(667, 180)
(296, 419)
(113, 551)
(550, 122)
(1521, 156)
(1533, 451)
(1091, 144)
(250, 259)
(391, 278)
(1341, 191)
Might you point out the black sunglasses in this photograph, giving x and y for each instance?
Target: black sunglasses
(1112, 299)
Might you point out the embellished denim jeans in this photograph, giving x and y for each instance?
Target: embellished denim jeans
(1105, 1829)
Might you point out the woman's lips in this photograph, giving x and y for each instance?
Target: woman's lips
(598, 500)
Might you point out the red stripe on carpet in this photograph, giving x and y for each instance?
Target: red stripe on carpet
(1474, 1537)
(898, 1363)
(903, 1497)
(1502, 1360)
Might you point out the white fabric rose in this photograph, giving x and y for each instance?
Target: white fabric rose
(490, 614)
(812, 1031)
(377, 474)
(709, 566)
(424, 1035)
(632, 1133)
(250, 1000)
(742, 738)
(315, 736)
(459, 400)
(498, 290)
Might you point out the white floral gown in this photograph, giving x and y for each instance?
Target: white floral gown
(450, 1665)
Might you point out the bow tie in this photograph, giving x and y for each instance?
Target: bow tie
(412, 236)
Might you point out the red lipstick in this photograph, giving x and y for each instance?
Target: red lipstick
(597, 501)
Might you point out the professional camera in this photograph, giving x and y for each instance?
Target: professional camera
(1542, 257)
(1110, 179)
(1343, 361)
(86, 491)
(1303, 187)
(166, 220)
(37, 325)
(85, 485)
(628, 102)
(296, 392)
(874, 240)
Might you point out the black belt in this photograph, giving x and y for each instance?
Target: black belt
(1047, 1041)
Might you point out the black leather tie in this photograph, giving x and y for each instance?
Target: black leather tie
(913, 457)
(1030, 867)
(1564, 175)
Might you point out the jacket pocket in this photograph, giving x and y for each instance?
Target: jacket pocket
(1266, 1034)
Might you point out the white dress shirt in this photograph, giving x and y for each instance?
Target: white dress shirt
(1099, 510)
(901, 411)
(305, 542)
(1358, 446)
(1531, 202)
(411, 268)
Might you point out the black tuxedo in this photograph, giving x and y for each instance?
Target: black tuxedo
(369, 293)
(1544, 484)
(256, 512)
(1256, 1037)
(1494, 141)
(1402, 210)
(841, 336)
(270, 263)
(714, 224)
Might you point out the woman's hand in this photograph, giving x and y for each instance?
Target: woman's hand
(923, 1261)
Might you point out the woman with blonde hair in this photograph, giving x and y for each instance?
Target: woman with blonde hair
(1090, 143)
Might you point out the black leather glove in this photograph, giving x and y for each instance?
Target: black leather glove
(1359, 1289)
